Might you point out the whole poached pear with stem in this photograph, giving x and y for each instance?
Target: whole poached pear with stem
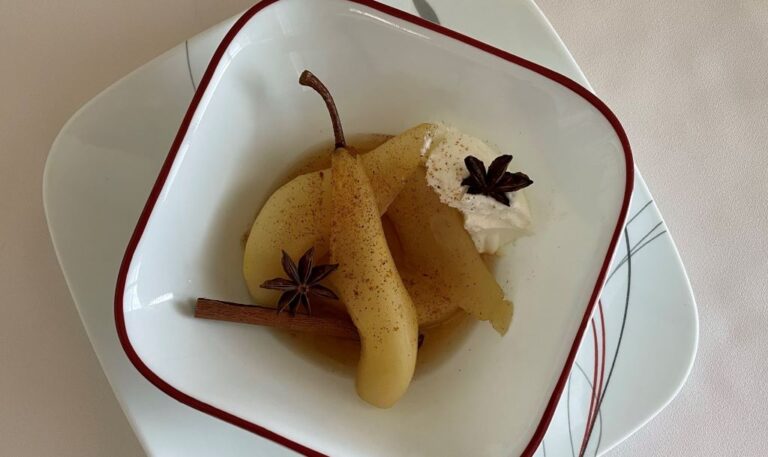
(339, 209)
(367, 280)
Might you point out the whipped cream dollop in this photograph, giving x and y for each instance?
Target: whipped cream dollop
(491, 224)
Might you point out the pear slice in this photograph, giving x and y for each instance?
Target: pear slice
(393, 241)
(430, 299)
(435, 243)
(389, 166)
(294, 218)
(433, 306)
(367, 281)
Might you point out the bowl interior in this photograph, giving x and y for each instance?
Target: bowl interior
(251, 126)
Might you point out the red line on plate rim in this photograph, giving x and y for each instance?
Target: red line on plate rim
(593, 399)
(602, 366)
(597, 382)
(563, 80)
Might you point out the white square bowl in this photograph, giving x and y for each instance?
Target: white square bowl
(388, 70)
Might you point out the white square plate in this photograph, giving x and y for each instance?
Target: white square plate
(246, 125)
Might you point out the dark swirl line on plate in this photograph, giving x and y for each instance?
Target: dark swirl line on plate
(639, 245)
(599, 415)
(189, 66)
(621, 333)
(593, 387)
(634, 251)
(425, 10)
(640, 211)
(658, 224)
(568, 414)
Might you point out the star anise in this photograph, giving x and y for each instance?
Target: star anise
(495, 182)
(302, 282)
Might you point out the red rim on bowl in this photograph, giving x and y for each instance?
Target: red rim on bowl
(161, 384)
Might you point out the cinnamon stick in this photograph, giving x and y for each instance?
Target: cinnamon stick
(317, 323)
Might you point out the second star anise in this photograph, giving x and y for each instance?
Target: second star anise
(303, 280)
(496, 181)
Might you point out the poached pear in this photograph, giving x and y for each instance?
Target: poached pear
(367, 280)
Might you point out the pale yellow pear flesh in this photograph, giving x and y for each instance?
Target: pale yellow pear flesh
(433, 306)
(296, 216)
(368, 282)
(431, 300)
(389, 166)
(436, 246)
(393, 241)
(293, 219)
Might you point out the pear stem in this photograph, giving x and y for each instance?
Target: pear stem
(310, 80)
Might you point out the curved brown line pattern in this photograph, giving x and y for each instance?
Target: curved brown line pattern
(568, 401)
(599, 414)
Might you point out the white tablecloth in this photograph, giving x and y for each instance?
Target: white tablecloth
(687, 78)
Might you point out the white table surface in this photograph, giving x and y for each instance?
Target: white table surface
(687, 78)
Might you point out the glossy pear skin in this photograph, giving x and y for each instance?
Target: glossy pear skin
(368, 282)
